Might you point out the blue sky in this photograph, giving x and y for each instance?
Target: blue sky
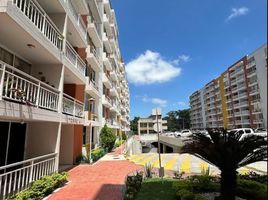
(172, 48)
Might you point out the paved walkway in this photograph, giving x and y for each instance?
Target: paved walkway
(101, 181)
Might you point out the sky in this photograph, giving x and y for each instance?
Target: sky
(172, 48)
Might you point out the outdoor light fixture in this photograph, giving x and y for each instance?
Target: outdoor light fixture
(30, 45)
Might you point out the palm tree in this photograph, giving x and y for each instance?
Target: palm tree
(227, 151)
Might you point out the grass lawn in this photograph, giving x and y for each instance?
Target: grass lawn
(153, 189)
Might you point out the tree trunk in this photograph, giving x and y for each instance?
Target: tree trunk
(228, 184)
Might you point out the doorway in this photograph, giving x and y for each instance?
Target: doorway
(12, 141)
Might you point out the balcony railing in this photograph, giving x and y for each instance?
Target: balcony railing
(94, 52)
(74, 58)
(72, 106)
(20, 175)
(77, 18)
(94, 84)
(20, 87)
(40, 19)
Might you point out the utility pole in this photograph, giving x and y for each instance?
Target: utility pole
(161, 169)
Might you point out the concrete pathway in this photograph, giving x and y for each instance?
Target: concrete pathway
(189, 164)
(103, 180)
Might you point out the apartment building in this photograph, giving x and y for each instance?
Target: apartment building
(237, 98)
(149, 125)
(61, 78)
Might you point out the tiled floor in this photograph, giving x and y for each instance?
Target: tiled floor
(101, 181)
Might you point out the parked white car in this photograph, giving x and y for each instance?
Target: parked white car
(184, 133)
(246, 131)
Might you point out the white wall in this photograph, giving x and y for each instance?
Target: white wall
(52, 73)
(261, 70)
(41, 138)
(66, 145)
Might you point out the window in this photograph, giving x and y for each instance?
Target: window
(6, 56)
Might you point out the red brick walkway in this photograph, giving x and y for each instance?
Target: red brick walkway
(101, 181)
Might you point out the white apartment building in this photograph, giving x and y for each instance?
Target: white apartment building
(237, 98)
(61, 74)
(149, 125)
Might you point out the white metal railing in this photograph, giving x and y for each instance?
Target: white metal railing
(72, 106)
(94, 52)
(18, 176)
(77, 18)
(40, 19)
(18, 86)
(74, 58)
(94, 84)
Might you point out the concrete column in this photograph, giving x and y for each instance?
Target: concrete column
(147, 128)
(57, 148)
(164, 148)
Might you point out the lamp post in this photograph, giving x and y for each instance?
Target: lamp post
(90, 129)
(161, 169)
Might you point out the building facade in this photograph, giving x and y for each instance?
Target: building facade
(62, 78)
(149, 125)
(237, 98)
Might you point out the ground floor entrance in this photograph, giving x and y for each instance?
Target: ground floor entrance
(12, 142)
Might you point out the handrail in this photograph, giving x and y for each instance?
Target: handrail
(72, 98)
(26, 161)
(28, 76)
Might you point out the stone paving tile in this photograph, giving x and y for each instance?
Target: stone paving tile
(103, 180)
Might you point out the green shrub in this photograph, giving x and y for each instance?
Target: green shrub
(97, 153)
(199, 197)
(251, 190)
(255, 177)
(184, 194)
(107, 138)
(133, 185)
(42, 187)
(203, 183)
(178, 174)
(148, 170)
(118, 143)
(124, 136)
(182, 184)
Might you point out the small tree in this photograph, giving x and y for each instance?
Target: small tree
(107, 138)
(227, 151)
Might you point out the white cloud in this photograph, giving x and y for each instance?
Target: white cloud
(236, 12)
(156, 101)
(150, 67)
(181, 104)
(182, 59)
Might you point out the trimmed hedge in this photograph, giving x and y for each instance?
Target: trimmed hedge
(96, 154)
(118, 143)
(133, 185)
(42, 187)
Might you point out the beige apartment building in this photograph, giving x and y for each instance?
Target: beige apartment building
(62, 77)
(149, 125)
(237, 98)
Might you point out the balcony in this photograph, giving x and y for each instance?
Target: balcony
(74, 58)
(72, 106)
(76, 20)
(106, 101)
(94, 32)
(93, 58)
(113, 43)
(34, 12)
(113, 92)
(106, 81)
(106, 43)
(106, 61)
(92, 88)
(113, 75)
(17, 86)
(107, 25)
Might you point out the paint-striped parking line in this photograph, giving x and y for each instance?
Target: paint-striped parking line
(150, 159)
(186, 163)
